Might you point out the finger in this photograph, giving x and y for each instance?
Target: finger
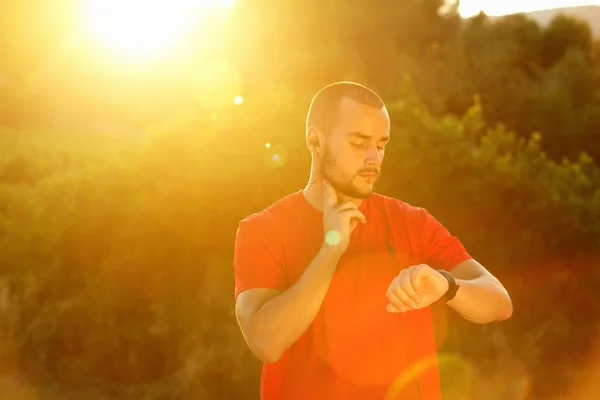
(330, 197)
(353, 213)
(396, 305)
(403, 288)
(391, 308)
(347, 205)
(397, 297)
(356, 219)
(419, 273)
(399, 291)
(408, 283)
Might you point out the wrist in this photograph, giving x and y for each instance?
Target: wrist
(452, 287)
(330, 252)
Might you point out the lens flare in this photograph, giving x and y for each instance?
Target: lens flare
(459, 364)
(333, 238)
(276, 156)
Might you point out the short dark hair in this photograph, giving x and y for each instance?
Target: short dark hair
(324, 105)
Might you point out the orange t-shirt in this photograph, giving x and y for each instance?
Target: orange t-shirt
(354, 349)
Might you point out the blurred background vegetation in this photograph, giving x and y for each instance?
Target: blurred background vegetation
(124, 172)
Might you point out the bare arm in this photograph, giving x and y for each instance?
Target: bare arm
(481, 298)
(271, 321)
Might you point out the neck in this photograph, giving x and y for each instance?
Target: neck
(313, 192)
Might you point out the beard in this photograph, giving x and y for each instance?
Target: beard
(343, 185)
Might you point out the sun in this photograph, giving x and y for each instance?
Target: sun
(144, 28)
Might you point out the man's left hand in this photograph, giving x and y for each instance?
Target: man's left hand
(416, 287)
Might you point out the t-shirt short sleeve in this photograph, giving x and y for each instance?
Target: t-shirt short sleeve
(440, 248)
(256, 264)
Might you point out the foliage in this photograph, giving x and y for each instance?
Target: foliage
(117, 268)
(531, 77)
(116, 246)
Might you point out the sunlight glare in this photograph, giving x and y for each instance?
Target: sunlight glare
(215, 82)
(145, 28)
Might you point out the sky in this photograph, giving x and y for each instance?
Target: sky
(499, 7)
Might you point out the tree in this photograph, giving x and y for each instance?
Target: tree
(562, 33)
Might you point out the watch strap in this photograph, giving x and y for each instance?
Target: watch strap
(452, 285)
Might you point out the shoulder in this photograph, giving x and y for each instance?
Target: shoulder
(271, 216)
(398, 209)
(414, 218)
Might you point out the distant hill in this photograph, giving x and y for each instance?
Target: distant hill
(591, 14)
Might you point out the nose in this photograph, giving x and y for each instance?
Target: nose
(374, 156)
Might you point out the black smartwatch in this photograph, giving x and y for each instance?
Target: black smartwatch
(452, 286)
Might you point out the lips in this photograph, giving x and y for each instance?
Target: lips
(368, 175)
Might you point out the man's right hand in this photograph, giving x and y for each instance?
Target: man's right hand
(339, 221)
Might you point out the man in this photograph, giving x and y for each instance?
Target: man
(334, 283)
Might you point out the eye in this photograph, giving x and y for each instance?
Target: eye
(358, 145)
(381, 145)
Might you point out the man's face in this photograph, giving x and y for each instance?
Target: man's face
(354, 149)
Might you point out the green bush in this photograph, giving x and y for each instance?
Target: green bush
(532, 221)
(117, 265)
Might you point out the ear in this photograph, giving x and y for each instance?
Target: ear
(313, 140)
